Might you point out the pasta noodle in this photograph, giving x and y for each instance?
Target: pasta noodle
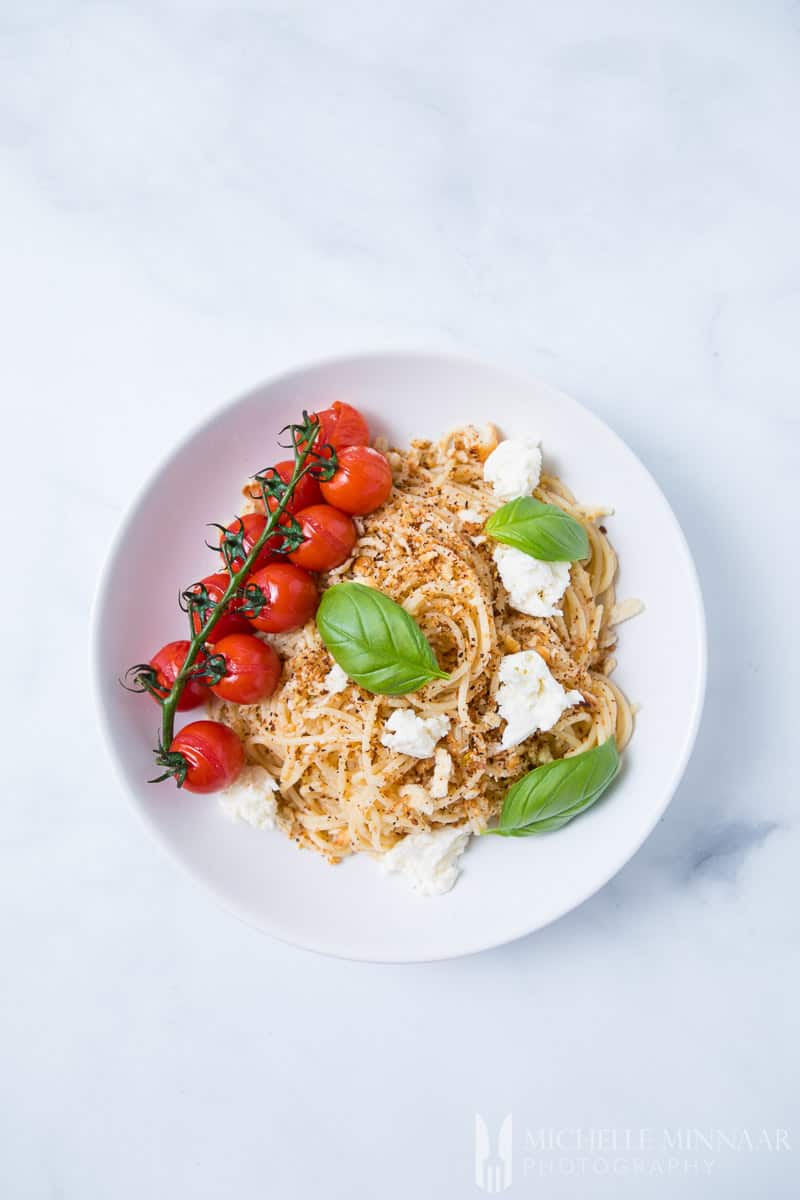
(341, 790)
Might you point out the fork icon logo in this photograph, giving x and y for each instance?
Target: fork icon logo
(492, 1168)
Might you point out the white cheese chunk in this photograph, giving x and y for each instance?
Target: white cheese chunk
(534, 587)
(407, 733)
(251, 798)
(336, 680)
(529, 699)
(428, 861)
(513, 468)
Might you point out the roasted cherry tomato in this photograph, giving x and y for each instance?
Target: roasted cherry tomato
(252, 526)
(166, 665)
(214, 755)
(291, 596)
(306, 492)
(342, 425)
(362, 482)
(252, 669)
(230, 621)
(329, 538)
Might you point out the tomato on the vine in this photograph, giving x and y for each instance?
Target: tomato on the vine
(166, 664)
(251, 527)
(291, 597)
(341, 425)
(306, 492)
(306, 489)
(329, 537)
(362, 481)
(230, 621)
(213, 755)
(252, 669)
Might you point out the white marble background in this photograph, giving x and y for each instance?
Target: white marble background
(196, 195)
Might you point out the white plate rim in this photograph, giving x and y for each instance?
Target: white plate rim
(525, 927)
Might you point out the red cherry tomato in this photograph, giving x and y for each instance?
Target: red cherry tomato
(329, 538)
(306, 492)
(252, 526)
(230, 621)
(291, 595)
(213, 753)
(252, 669)
(362, 482)
(166, 665)
(342, 425)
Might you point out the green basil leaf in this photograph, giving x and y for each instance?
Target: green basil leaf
(544, 531)
(551, 795)
(375, 641)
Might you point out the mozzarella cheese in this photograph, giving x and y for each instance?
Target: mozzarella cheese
(251, 798)
(336, 680)
(534, 587)
(428, 861)
(407, 733)
(513, 468)
(529, 699)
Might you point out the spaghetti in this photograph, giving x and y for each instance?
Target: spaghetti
(341, 789)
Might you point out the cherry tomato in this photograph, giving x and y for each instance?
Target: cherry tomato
(214, 755)
(306, 492)
(329, 538)
(291, 594)
(342, 425)
(166, 665)
(252, 526)
(230, 621)
(252, 669)
(362, 482)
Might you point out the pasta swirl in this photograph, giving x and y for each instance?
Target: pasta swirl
(341, 790)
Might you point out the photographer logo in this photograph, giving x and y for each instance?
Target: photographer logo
(493, 1162)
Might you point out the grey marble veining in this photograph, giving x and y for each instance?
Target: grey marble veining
(724, 849)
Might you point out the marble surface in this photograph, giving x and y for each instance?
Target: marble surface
(195, 196)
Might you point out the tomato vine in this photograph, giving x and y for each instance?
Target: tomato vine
(319, 461)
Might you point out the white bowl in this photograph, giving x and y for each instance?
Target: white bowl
(508, 887)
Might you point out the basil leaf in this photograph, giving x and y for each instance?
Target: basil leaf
(375, 641)
(551, 795)
(544, 531)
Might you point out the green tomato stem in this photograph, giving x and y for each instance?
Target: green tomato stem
(169, 704)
